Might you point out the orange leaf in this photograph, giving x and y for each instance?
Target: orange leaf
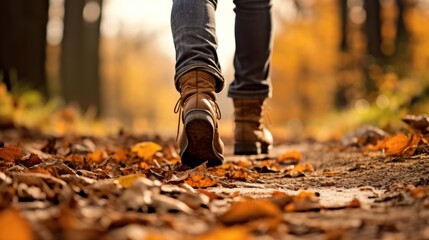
(144, 166)
(201, 181)
(74, 158)
(11, 154)
(230, 233)
(396, 144)
(355, 203)
(300, 170)
(120, 155)
(250, 210)
(14, 226)
(293, 155)
(412, 146)
(97, 156)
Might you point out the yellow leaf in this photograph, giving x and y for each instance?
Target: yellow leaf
(128, 180)
(146, 150)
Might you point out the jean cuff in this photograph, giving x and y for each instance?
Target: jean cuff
(220, 81)
(253, 94)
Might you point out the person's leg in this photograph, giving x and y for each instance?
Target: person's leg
(251, 85)
(253, 43)
(197, 78)
(194, 35)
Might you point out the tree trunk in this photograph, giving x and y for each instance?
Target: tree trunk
(343, 24)
(23, 42)
(80, 56)
(373, 28)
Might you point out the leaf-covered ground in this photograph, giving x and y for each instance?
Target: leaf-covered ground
(371, 185)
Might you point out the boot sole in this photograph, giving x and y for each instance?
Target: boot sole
(251, 148)
(199, 129)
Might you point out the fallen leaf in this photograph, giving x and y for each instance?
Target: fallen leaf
(419, 123)
(231, 233)
(50, 146)
(31, 160)
(290, 156)
(14, 226)
(120, 155)
(144, 166)
(128, 180)
(363, 136)
(201, 181)
(146, 150)
(249, 210)
(300, 170)
(395, 145)
(11, 154)
(418, 192)
(355, 203)
(242, 174)
(303, 202)
(398, 145)
(97, 156)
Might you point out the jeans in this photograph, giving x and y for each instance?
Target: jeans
(194, 34)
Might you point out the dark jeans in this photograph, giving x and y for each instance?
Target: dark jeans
(193, 28)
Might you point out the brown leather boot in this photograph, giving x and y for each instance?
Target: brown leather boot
(199, 141)
(250, 134)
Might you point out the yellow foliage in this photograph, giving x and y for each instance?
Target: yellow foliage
(128, 180)
(146, 150)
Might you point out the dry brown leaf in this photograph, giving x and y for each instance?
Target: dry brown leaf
(419, 123)
(11, 154)
(290, 156)
(201, 181)
(14, 226)
(355, 203)
(300, 170)
(77, 159)
(249, 210)
(418, 192)
(31, 160)
(146, 150)
(209, 194)
(304, 201)
(242, 174)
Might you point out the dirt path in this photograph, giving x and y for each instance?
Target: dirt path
(86, 188)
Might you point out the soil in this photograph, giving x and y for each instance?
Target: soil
(392, 196)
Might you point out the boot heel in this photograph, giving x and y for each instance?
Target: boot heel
(199, 128)
(247, 148)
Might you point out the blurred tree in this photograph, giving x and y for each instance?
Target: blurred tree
(80, 53)
(23, 42)
(373, 29)
(402, 39)
(342, 4)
